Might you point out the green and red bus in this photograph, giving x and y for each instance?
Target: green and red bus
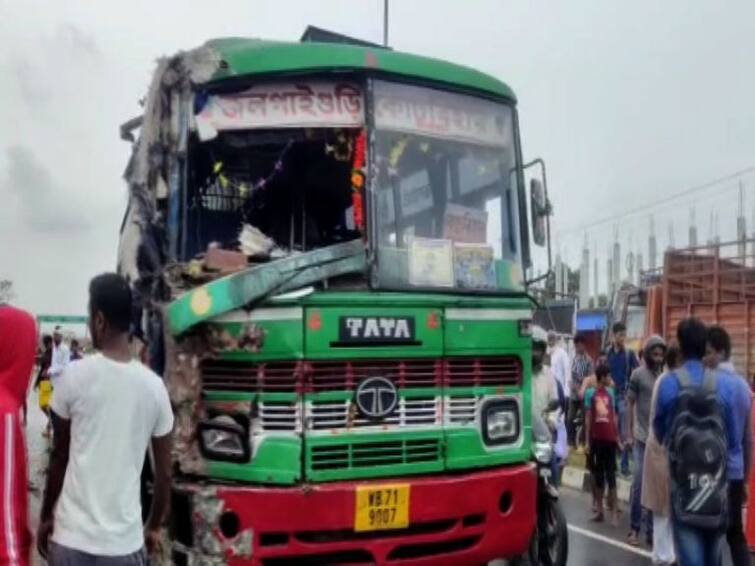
(328, 242)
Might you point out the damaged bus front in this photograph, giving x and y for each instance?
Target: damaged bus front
(327, 242)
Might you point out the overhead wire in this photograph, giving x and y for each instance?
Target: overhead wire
(655, 204)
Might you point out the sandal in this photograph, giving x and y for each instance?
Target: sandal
(597, 517)
(633, 539)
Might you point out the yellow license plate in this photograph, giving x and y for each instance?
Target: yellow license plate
(383, 507)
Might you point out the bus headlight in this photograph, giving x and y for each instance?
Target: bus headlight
(500, 421)
(224, 438)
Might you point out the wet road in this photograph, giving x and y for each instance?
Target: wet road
(593, 544)
(602, 544)
(37, 447)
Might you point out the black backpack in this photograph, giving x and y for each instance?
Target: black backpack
(698, 455)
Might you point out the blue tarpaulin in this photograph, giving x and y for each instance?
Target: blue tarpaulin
(587, 321)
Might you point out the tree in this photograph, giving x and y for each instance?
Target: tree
(6, 291)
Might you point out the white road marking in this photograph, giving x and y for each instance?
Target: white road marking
(612, 542)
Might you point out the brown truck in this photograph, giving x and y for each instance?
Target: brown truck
(715, 283)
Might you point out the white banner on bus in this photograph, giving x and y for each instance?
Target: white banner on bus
(284, 105)
(434, 113)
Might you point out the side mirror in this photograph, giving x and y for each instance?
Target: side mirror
(540, 210)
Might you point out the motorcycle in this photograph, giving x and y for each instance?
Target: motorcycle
(550, 543)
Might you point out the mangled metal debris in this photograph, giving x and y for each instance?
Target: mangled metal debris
(162, 139)
(258, 282)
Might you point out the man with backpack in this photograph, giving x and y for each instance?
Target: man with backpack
(622, 362)
(699, 416)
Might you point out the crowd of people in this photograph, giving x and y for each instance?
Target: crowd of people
(105, 411)
(53, 360)
(677, 419)
(681, 413)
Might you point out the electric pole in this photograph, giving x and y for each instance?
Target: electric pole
(385, 23)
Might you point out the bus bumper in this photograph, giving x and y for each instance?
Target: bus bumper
(459, 519)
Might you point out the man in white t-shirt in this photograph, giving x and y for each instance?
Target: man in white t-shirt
(544, 387)
(560, 363)
(108, 409)
(61, 355)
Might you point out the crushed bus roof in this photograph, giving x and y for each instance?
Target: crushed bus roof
(243, 57)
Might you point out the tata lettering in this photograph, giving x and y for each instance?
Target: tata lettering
(377, 329)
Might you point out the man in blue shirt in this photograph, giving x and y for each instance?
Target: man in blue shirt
(698, 547)
(622, 362)
(719, 357)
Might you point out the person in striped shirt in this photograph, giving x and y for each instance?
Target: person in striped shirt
(581, 367)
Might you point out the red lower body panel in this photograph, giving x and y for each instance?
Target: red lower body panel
(463, 519)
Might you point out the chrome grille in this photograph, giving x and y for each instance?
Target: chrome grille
(461, 411)
(278, 416)
(323, 415)
(304, 377)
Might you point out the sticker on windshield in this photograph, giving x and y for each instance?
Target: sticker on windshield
(431, 263)
(462, 224)
(474, 266)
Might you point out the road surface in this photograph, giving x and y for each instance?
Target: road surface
(38, 448)
(602, 544)
(593, 544)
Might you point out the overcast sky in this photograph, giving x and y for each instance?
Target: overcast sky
(626, 101)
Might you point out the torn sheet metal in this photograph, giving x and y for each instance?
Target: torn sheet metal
(250, 339)
(211, 548)
(184, 382)
(163, 135)
(244, 288)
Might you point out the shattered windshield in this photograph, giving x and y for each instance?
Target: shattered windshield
(445, 200)
(279, 169)
(270, 169)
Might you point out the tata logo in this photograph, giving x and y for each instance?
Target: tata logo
(377, 330)
(376, 397)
